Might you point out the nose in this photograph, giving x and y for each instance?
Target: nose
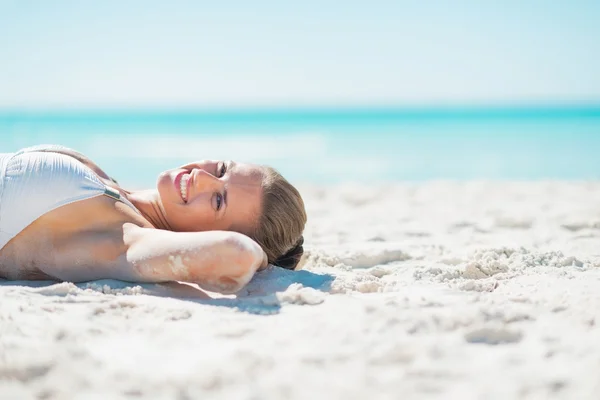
(206, 182)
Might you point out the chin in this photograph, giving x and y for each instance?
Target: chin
(163, 182)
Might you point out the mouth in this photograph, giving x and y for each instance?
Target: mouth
(182, 185)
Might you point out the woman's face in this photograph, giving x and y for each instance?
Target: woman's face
(212, 195)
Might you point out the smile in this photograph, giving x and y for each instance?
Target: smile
(181, 182)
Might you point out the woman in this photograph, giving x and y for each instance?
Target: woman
(214, 223)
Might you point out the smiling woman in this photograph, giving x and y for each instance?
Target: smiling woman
(216, 195)
(214, 223)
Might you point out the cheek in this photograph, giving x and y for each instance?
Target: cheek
(196, 218)
(245, 225)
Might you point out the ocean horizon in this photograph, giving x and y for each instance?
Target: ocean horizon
(328, 145)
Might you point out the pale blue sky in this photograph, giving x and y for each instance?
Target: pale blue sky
(272, 53)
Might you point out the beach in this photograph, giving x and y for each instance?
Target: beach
(448, 158)
(436, 289)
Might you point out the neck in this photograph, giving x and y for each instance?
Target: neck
(148, 203)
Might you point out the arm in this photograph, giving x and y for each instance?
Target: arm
(216, 260)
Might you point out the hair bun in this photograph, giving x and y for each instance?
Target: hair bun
(290, 259)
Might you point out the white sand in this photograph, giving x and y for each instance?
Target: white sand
(439, 290)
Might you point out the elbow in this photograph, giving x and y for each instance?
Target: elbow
(232, 283)
(244, 258)
(229, 285)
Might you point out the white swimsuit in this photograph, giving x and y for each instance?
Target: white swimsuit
(36, 180)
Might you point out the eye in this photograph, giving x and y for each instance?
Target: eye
(221, 169)
(219, 200)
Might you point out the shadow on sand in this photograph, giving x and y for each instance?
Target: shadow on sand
(258, 297)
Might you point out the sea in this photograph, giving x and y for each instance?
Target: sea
(328, 146)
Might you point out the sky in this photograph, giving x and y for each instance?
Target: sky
(184, 54)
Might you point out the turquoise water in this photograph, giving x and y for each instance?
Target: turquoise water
(330, 146)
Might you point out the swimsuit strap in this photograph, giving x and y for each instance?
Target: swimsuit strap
(115, 194)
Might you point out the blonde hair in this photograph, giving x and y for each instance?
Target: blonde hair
(282, 220)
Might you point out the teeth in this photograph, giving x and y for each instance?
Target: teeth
(183, 186)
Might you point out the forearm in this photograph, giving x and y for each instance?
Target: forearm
(216, 261)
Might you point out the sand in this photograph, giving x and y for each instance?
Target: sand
(477, 290)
